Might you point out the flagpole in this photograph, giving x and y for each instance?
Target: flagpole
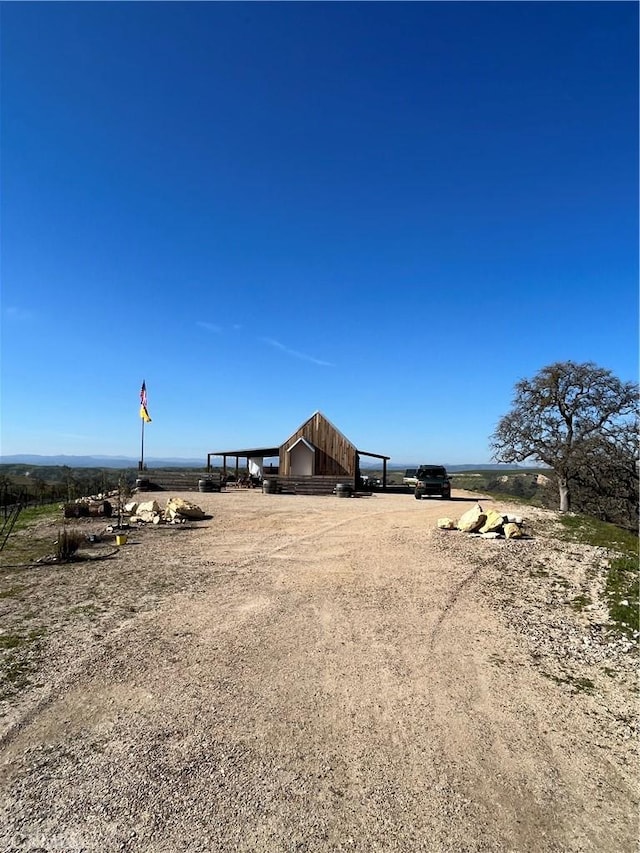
(142, 447)
(144, 416)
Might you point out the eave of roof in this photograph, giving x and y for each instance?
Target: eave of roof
(375, 455)
(249, 453)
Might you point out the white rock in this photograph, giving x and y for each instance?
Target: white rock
(182, 508)
(512, 530)
(146, 516)
(472, 520)
(148, 506)
(493, 522)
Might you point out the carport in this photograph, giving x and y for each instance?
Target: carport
(385, 459)
(248, 454)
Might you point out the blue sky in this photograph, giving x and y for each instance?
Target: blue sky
(388, 212)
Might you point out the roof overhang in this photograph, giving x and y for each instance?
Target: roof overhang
(250, 453)
(375, 455)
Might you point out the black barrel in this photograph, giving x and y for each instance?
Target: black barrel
(343, 490)
(142, 484)
(205, 485)
(269, 487)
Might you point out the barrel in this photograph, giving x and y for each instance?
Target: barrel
(142, 484)
(269, 487)
(343, 490)
(205, 485)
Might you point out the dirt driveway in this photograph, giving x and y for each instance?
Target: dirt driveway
(320, 674)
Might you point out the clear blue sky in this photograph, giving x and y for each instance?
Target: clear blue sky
(388, 212)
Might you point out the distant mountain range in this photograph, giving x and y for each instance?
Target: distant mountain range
(470, 466)
(99, 461)
(177, 462)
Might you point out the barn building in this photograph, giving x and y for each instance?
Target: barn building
(314, 458)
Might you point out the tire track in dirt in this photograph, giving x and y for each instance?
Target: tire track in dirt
(317, 533)
(320, 534)
(452, 600)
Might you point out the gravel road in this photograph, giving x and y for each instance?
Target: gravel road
(320, 674)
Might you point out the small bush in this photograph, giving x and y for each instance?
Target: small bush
(68, 543)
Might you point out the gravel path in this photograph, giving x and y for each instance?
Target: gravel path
(319, 674)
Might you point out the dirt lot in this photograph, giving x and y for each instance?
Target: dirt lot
(317, 674)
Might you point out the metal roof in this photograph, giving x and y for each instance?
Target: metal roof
(375, 455)
(251, 452)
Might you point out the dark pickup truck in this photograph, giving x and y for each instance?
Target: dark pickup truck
(432, 480)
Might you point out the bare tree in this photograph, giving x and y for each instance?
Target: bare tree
(558, 415)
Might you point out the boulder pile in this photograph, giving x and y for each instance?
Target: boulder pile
(488, 525)
(177, 511)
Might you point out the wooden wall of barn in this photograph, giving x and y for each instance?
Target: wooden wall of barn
(335, 455)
